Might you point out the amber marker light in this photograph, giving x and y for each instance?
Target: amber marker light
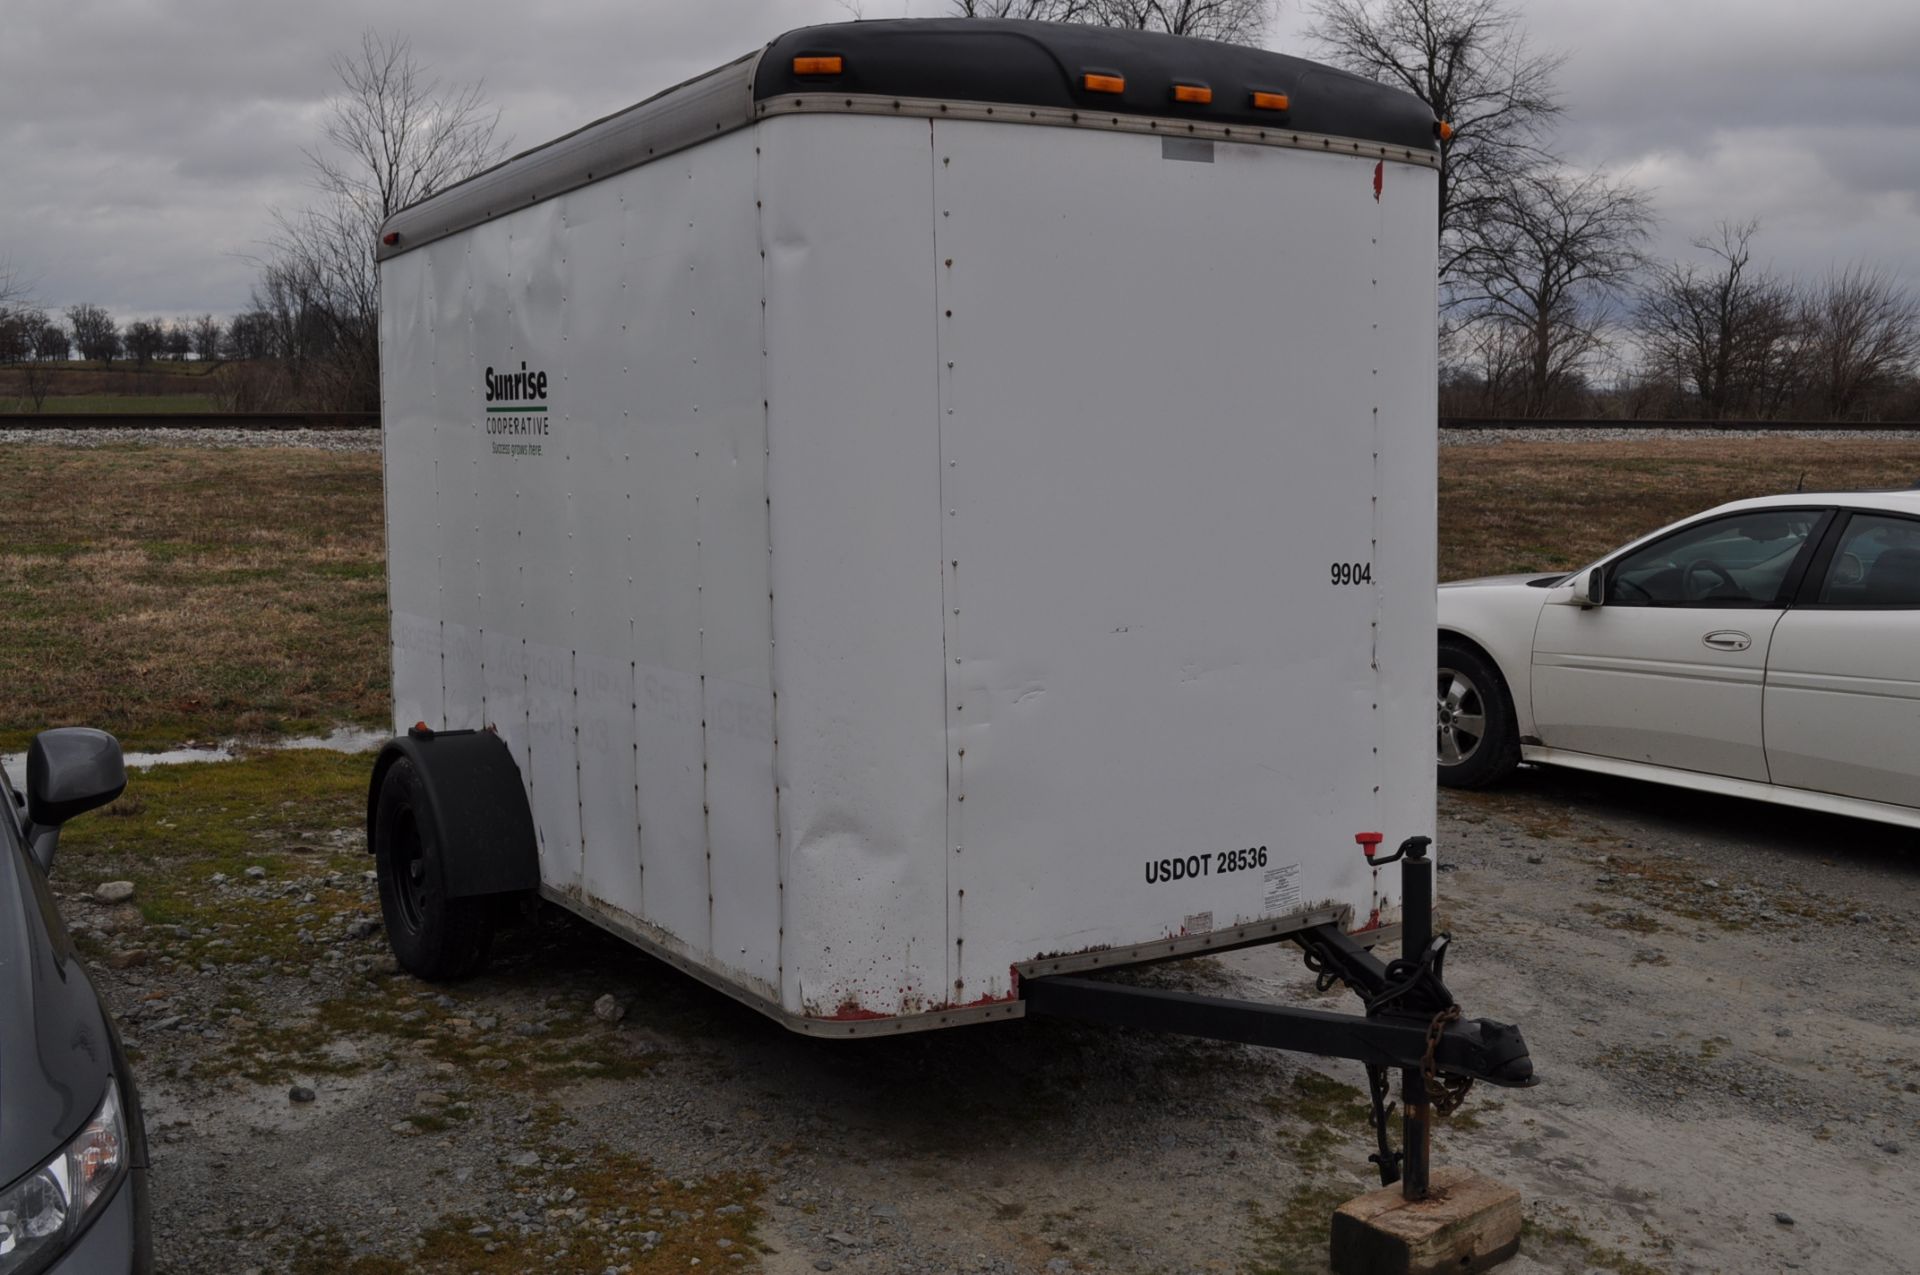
(1198, 94)
(1443, 130)
(1103, 82)
(822, 65)
(1270, 101)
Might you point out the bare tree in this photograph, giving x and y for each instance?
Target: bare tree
(1470, 62)
(145, 339)
(1863, 335)
(15, 316)
(249, 336)
(204, 332)
(95, 334)
(1233, 21)
(1724, 331)
(50, 343)
(179, 339)
(41, 338)
(1027, 10)
(398, 134)
(1560, 248)
(17, 324)
(395, 135)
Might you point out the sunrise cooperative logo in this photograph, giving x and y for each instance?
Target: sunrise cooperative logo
(516, 405)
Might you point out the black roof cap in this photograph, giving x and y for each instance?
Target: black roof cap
(1044, 63)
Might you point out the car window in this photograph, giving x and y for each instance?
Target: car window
(1740, 560)
(1876, 564)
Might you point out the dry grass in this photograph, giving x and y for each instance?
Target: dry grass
(170, 594)
(1547, 506)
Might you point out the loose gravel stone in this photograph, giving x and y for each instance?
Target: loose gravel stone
(300, 1093)
(114, 891)
(609, 1010)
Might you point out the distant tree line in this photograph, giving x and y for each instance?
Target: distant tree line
(1713, 337)
(29, 333)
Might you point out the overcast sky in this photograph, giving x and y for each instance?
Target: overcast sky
(146, 140)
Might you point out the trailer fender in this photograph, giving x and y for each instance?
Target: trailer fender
(476, 804)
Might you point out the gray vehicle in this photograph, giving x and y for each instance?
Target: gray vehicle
(73, 1146)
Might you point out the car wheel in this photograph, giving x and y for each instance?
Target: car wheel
(433, 937)
(1478, 741)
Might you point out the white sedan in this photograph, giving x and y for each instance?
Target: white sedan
(1768, 648)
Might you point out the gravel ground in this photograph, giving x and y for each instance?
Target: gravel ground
(1719, 998)
(1489, 437)
(328, 440)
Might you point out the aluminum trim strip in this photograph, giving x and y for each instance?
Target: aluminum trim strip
(711, 105)
(1635, 666)
(1842, 684)
(1111, 122)
(1168, 949)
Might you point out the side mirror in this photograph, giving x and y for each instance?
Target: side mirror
(1585, 592)
(69, 771)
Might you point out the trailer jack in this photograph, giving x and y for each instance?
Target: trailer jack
(1411, 1021)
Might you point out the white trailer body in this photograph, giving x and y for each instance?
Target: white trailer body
(913, 541)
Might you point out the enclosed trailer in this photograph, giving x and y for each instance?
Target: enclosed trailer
(925, 507)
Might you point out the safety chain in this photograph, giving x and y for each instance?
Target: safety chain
(1445, 1093)
(1387, 1158)
(1325, 979)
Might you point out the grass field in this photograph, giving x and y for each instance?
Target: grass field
(1541, 506)
(174, 594)
(170, 403)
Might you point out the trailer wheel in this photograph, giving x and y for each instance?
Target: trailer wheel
(1478, 741)
(433, 937)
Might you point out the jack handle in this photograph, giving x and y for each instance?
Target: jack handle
(1411, 848)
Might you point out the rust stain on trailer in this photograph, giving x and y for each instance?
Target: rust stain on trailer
(852, 1011)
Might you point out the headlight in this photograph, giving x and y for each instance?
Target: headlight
(42, 1213)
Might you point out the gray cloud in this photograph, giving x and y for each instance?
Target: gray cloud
(145, 142)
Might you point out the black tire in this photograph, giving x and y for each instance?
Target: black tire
(1477, 740)
(433, 937)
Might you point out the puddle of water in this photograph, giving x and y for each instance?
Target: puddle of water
(343, 739)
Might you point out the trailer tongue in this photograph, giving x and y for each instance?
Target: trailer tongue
(1411, 1021)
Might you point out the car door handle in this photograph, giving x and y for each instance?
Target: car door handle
(1727, 640)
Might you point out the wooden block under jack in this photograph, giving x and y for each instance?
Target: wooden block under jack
(1466, 1223)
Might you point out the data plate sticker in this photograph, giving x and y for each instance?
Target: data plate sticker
(1283, 888)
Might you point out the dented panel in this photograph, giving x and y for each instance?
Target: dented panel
(847, 227)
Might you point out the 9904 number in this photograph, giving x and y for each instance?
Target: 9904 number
(1351, 573)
